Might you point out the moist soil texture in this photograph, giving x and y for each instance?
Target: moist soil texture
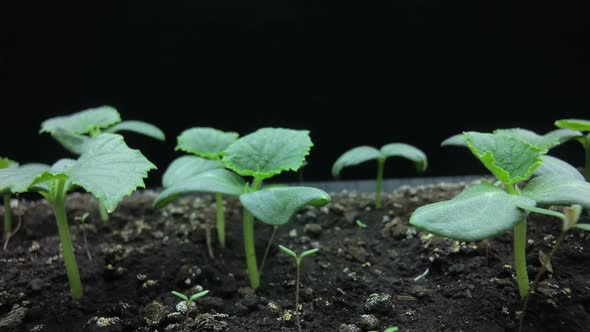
(362, 279)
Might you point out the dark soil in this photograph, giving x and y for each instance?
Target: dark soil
(142, 254)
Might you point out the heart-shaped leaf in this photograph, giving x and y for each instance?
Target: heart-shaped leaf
(558, 190)
(268, 152)
(573, 124)
(406, 151)
(554, 166)
(510, 159)
(353, 157)
(213, 181)
(205, 142)
(277, 206)
(186, 167)
(83, 122)
(19, 179)
(75, 143)
(479, 212)
(455, 140)
(139, 127)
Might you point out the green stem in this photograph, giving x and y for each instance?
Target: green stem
(267, 250)
(297, 295)
(104, 214)
(249, 247)
(188, 305)
(59, 207)
(586, 145)
(7, 217)
(220, 219)
(522, 277)
(380, 167)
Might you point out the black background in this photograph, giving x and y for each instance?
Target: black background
(368, 72)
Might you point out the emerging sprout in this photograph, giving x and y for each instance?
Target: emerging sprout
(389, 329)
(579, 126)
(360, 224)
(298, 260)
(361, 154)
(108, 169)
(188, 301)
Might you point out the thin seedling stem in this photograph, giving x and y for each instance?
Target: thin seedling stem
(7, 217)
(220, 220)
(267, 250)
(297, 294)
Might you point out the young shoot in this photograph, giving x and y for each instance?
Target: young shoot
(362, 154)
(108, 169)
(188, 301)
(582, 127)
(82, 220)
(298, 261)
(389, 329)
(360, 224)
(260, 155)
(485, 210)
(74, 132)
(6, 197)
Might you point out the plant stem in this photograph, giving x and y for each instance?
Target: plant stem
(7, 217)
(104, 214)
(587, 157)
(188, 305)
(538, 278)
(522, 277)
(380, 167)
(220, 219)
(297, 295)
(59, 207)
(267, 250)
(208, 239)
(249, 247)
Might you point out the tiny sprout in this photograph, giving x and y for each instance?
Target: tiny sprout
(298, 260)
(82, 219)
(389, 329)
(360, 224)
(189, 300)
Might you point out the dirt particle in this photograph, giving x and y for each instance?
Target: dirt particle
(378, 303)
(368, 322)
(13, 320)
(313, 229)
(211, 322)
(349, 328)
(155, 313)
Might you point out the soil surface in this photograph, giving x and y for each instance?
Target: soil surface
(387, 274)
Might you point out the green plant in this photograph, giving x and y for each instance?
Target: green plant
(261, 155)
(5, 163)
(360, 224)
(579, 126)
(108, 169)
(485, 210)
(389, 329)
(188, 301)
(298, 261)
(362, 154)
(74, 132)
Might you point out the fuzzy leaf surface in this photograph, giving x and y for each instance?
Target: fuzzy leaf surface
(406, 151)
(555, 166)
(573, 124)
(354, 156)
(558, 190)
(84, 121)
(205, 142)
(139, 127)
(479, 212)
(277, 206)
(563, 135)
(540, 141)
(19, 179)
(75, 143)
(186, 167)
(455, 140)
(268, 152)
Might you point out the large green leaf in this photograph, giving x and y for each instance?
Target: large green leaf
(139, 127)
(406, 151)
(558, 190)
(510, 159)
(353, 157)
(268, 151)
(186, 167)
(455, 140)
(213, 181)
(574, 124)
(554, 166)
(110, 170)
(19, 179)
(540, 141)
(84, 121)
(479, 212)
(563, 135)
(75, 143)
(277, 206)
(205, 142)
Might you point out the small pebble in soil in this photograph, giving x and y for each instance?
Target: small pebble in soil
(181, 307)
(155, 313)
(104, 324)
(313, 229)
(349, 328)
(368, 322)
(187, 275)
(210, 322)
(457, 268)
(36, 285)
(379, 303)
(13, 320)
(274, 308)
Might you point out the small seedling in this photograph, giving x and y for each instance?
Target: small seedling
(360, 224)
(582, 127)
(361, 154)
(82, 220)
(188, 301)
(108, 169)
(298, 261)
(6, 195)
(261, 155)
(74, 132)
(485, 210)
(389, 329)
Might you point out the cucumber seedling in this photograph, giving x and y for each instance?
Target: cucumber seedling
(74, 132)
(188, 300)
(389, 329)
(298, 261)
(579, 126)
(260, 155)
(108, 169)
(362, 154)
(360, 224)
(485, 210)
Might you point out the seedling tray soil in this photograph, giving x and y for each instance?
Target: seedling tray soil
(421, 282)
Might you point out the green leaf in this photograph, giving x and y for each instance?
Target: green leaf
(180, 295)
(205, 142)
(186, 167)
(276, 206)
(268, 151)
(139, 127)
(198, 295)
(19, 179)
(5, 163)
(406, 151)
(544, 142)
(510, 159)
(558, 190)
(309, 252)
(353, 157)
(584, 227)
(546, 212)
(75, 143)
(83, 122)
(288, 251)
(479, 212)
(573, 124)
(213, 181)
(455, 140)
(554, 166)
(110, 170)
(392, 329)
(563, 135)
